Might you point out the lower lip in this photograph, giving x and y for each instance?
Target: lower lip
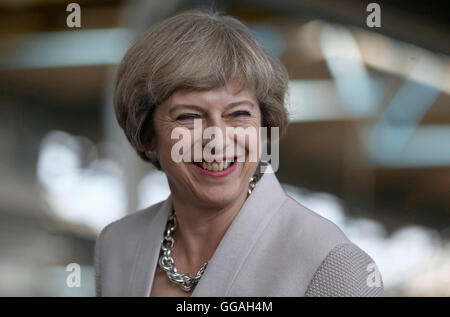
(223, 173)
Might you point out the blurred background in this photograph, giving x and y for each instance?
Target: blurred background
(368, 146)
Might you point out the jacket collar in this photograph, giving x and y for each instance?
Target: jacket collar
(226, 262)
(148, 250)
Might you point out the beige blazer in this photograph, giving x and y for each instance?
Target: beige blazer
(274, 247)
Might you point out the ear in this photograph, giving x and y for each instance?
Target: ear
(150, 145)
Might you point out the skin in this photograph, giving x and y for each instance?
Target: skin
(205, 206)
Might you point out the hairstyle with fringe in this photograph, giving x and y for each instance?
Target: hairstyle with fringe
(194, 50)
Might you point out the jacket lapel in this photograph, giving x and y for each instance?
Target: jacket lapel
(237, 243)
(148, 252)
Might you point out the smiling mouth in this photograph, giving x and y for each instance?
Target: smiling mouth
(215, 166)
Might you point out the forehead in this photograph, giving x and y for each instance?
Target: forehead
(215, 96)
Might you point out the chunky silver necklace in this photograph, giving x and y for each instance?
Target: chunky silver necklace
(186, 281)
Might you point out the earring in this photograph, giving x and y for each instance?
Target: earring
(256, 176)
(152, 155)
(251, 184)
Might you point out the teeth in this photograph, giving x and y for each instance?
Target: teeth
(216, 167)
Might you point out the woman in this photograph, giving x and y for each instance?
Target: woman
(227, 229)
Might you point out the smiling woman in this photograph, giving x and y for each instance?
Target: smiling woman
(238, 132)
(228, 228)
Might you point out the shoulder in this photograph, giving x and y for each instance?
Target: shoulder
(346, 271)
(127, 229)
(119, 240)
(334, 265)
(310, 228)
(129, 226)
(294, 223)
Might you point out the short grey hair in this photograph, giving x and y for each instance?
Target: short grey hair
(194, 50)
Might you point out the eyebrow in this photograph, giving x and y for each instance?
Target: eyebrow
(234, 104)
(199, 108)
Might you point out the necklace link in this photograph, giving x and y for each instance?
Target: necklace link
(167, 262)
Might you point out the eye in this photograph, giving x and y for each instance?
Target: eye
(187, 116)
(240, 113)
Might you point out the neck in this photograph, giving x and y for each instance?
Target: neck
(200, 230)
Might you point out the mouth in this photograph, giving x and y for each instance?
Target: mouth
(216, 169)
(215, 166)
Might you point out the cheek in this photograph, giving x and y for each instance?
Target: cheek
(250, 140)
(175, 145)
(247, 145)
(164, 142)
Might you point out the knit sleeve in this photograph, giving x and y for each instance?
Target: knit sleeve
(347, 271)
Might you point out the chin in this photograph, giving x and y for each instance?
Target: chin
(220, 195)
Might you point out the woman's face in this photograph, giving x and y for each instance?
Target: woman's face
(225, 180)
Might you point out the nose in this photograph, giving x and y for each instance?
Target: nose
(215, 136)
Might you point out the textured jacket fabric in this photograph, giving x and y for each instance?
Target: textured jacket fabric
(274, 247)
